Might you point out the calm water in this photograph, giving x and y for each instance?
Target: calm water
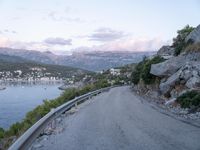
(18, 99)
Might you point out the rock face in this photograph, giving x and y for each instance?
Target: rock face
(171, 66)
(166, 68)
(193, 82)
(168, 85)
(166, 51)
(182, 71)
(194, 36)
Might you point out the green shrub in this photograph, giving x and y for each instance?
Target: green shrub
(135, 75)
(142, 71)
(14, 129)
(145, 74)
(179, 42)
(1, 133)
(189, 99)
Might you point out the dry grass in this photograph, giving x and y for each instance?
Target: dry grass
(193, 47)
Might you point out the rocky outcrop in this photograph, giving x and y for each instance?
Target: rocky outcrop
(193, 82)
(194, 36)
(166, 51)
(187, 76)
(168, 85)
(171, 66)
(166, 68)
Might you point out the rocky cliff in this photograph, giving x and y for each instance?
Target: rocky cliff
(179, 73)
(194, 36)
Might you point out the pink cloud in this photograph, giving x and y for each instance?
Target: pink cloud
(6, 42)
(40, 46)
(125, 44)
(128, 44)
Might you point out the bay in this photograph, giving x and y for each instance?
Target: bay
(19, 98)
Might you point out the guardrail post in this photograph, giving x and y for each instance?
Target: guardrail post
(53, 124)
(76, 105)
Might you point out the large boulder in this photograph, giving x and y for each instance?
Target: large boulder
(166, 51)
(194, 36)
(168, 85)
(193, 82)
(189, 75)
(168, 67)
(171, 66)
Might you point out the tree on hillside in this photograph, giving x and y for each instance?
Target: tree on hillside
(179, 42)
(142, 70)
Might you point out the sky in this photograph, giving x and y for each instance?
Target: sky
(64, 26)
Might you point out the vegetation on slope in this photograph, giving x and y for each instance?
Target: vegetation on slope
(142, 71)
(179, 41)
(13, 59)
(193, 47)
(189, 99)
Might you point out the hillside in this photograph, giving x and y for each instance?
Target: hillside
(172, 77)
(15, 68)
(12, 59)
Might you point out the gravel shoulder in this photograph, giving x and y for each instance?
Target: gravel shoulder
(170, 110)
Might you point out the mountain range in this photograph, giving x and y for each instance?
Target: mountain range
(93, 61)
(14, 68)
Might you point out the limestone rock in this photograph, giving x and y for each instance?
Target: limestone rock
(193, 82)
(194, 36)
(168, 67)
(167, 86)
(188, 75)
(166, 51)
(171, 66)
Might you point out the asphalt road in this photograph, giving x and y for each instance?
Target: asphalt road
(118, 120)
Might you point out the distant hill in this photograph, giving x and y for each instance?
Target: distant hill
(42, 57)
(16, 67)
(94, 61)
(12, 59)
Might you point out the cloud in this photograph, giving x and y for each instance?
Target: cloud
(7, 31)
(12, 31)
(58, 41)
(106, 34)
(3, 42)
(128, 44)
(55, 16)
(124, 44)
(40, 46)
(6, 42)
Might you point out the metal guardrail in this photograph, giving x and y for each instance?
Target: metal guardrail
(25, 141)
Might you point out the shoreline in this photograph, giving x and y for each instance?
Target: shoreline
(25, 82)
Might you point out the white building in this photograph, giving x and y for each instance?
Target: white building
(115, 72)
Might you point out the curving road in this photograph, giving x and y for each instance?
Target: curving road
(118, 120)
